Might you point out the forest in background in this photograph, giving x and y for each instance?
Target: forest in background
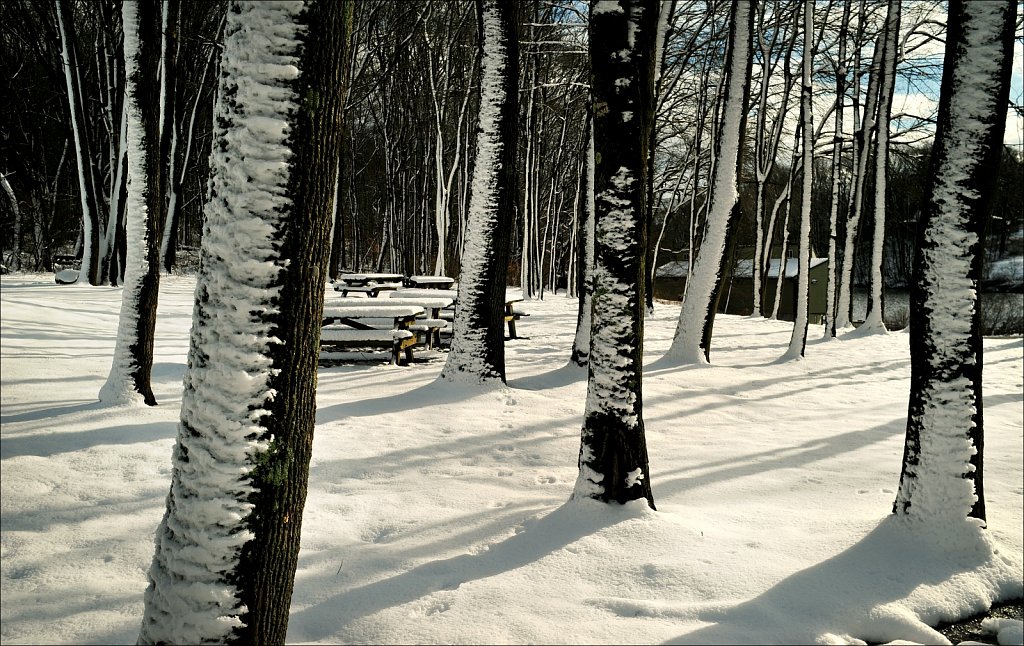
(409, 139)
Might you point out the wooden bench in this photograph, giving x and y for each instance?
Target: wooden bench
(429, 282)
(376, 326)
(428, 327)
(511, 314)
(512, 296)
(370, 284)
(373, 291)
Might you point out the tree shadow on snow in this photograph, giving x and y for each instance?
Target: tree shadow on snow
(537, 539)
(49, 444)
(563, 376)
(858, 593)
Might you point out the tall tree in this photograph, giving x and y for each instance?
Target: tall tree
(613, 449)
(942, 473)
(228, 545)
(798, 339)
(129, 376)
(837, 151)
(864, 136)
(873, 321)
(585, 277)
(90, 271)
(478, 344)
(692, 340)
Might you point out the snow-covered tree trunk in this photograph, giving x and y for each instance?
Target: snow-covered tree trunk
(766, 146)
(478, 343)
(169, 133)
(16, 243)
(129, 378)
(692, 340)
(837, 151)
(613, 449)
(581, 342)
(873, 321)
(941, 482)
(228, 545)
(863, 145)
(798, 340)
(90, 272)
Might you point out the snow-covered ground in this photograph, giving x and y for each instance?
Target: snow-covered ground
(438, 513)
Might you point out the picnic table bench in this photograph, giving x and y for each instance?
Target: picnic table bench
(512, 296)
(370, 284)
(373, 326)
(429, 282)
(511, 313)
(429, 325)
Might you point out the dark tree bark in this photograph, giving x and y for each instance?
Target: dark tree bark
(580, 354)
(241, 462)
(87, 182)
(943, 455)
(478, 343)
(340, 201)
(170, 178)
(692, 341)
(613, 449)
(267, 568)
(133, 352)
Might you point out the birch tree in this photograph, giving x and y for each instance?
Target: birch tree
(613, 463)
(941, 483)
(478, 342)
(129, 376)
(692, 340)
(227, 548)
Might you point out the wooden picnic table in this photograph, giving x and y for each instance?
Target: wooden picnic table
(429, 282)
(430, 324)
(376, 325)
(370, 284)
(512, 296)
(511, 315)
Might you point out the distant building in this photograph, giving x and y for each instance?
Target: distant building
(738, 293)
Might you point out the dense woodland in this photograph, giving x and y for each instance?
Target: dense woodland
(538, 144)
(410, 115)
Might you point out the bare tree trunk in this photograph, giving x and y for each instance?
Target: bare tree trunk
(86, 181)
(132, 366)
(837, 151)
(863, 145)
(613, 464)
(241, 462)
(15, 259)
(798, 340)
(941, 483)
(585, 280)
(478, 343)
(692, 340)
(873, 321)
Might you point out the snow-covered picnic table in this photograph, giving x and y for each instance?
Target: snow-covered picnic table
(512, 296)
(370, 284)
(429, 282)
(429, 325)
(372, 325)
